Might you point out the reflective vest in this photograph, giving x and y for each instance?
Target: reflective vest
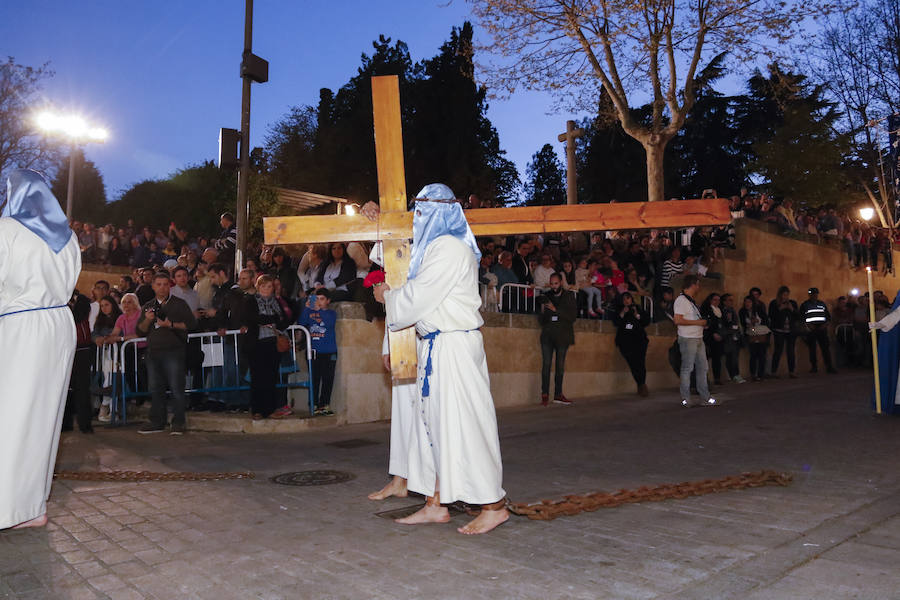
(816, 312)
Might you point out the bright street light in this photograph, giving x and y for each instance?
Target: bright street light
(867, 213)
(77, 130)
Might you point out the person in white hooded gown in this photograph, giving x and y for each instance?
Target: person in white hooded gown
(454, 446)
(39, 265)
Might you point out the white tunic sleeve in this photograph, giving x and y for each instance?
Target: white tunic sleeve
(4, 262)
(890, 320)
(385, 344)
(419, 297)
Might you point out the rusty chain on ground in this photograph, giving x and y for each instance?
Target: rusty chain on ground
(547, 510)
(149, 476)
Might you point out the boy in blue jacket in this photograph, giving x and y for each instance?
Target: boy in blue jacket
(320, 322)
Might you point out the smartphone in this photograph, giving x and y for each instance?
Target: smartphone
(312, 301)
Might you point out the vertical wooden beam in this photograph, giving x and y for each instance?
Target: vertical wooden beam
(392, 198)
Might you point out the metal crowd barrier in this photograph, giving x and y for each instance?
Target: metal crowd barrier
(490, 298)
(220, 372)
(648, 306)
(520, 293)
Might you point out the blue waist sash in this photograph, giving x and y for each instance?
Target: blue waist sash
(25, 310)
(426, 387)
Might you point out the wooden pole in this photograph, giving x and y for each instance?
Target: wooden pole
(874, 333)
(392, 199)
(569, 137)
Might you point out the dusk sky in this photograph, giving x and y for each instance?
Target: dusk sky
(162, 77)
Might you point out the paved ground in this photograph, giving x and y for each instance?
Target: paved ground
(834, 533)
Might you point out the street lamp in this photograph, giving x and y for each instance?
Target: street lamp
(867, 213)
(77, 130)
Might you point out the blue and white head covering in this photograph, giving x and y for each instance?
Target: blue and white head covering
(31, 203)
(435, 213)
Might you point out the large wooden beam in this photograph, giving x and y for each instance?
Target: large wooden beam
(392, 200)
(506, 221)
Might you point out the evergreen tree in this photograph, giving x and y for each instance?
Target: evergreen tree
(611, 165)
(447, 135)
(193, 198)
(706, 153)
(546, 180)
(790, 127)
(89, 202)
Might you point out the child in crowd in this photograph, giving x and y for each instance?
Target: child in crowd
(320, 321)
(593, 289)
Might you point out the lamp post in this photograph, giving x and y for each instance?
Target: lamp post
(76, 130)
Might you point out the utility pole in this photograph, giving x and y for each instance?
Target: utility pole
(243, 210)
(569, 138)
(253, 68)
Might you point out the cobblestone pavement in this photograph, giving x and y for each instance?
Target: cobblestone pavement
(834, 533)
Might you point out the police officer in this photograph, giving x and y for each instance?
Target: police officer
(816, 316)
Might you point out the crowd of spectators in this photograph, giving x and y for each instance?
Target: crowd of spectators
(863, 243)
(629, 277)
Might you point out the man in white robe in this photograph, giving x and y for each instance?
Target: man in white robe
(40, 260)
(403, 401)
(404, 397)
(455, 448)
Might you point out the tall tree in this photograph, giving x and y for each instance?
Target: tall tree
(611, 165)
(706, 153)
(856, 60)
(89, 203)
(447, 135)
(653, 47)
(791, 127)
(546, 180)
(20, 144)
(192, 197)
(451, 138)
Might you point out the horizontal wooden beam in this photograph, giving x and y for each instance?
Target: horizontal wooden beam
(506, 221)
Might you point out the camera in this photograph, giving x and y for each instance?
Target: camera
(160, 311)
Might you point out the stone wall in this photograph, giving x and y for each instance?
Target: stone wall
(593, 365)
(768, 260)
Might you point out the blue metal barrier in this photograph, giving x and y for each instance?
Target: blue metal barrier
(220, 372)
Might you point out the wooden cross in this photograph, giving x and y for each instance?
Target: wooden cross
(569, 137)
(394, 226)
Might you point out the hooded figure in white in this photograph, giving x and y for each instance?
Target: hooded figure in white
(39, 265)
(404, 399)
(455, 449)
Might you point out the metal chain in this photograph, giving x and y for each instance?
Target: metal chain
(149, 476)
(547, 510)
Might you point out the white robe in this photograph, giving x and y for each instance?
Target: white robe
(455, 436)
(404, 398)
(36, 352)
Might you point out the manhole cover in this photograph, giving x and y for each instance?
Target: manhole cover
(303, 478)
(353, 443)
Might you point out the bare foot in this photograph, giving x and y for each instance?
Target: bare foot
(396, 487)
(35, 522)
(487, 520)
(430, 513)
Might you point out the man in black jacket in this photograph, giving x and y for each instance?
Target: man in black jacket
(557, 316)
(227, 241)
(229, 311)
(165, 321)
(815, 314)
(78, 403)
